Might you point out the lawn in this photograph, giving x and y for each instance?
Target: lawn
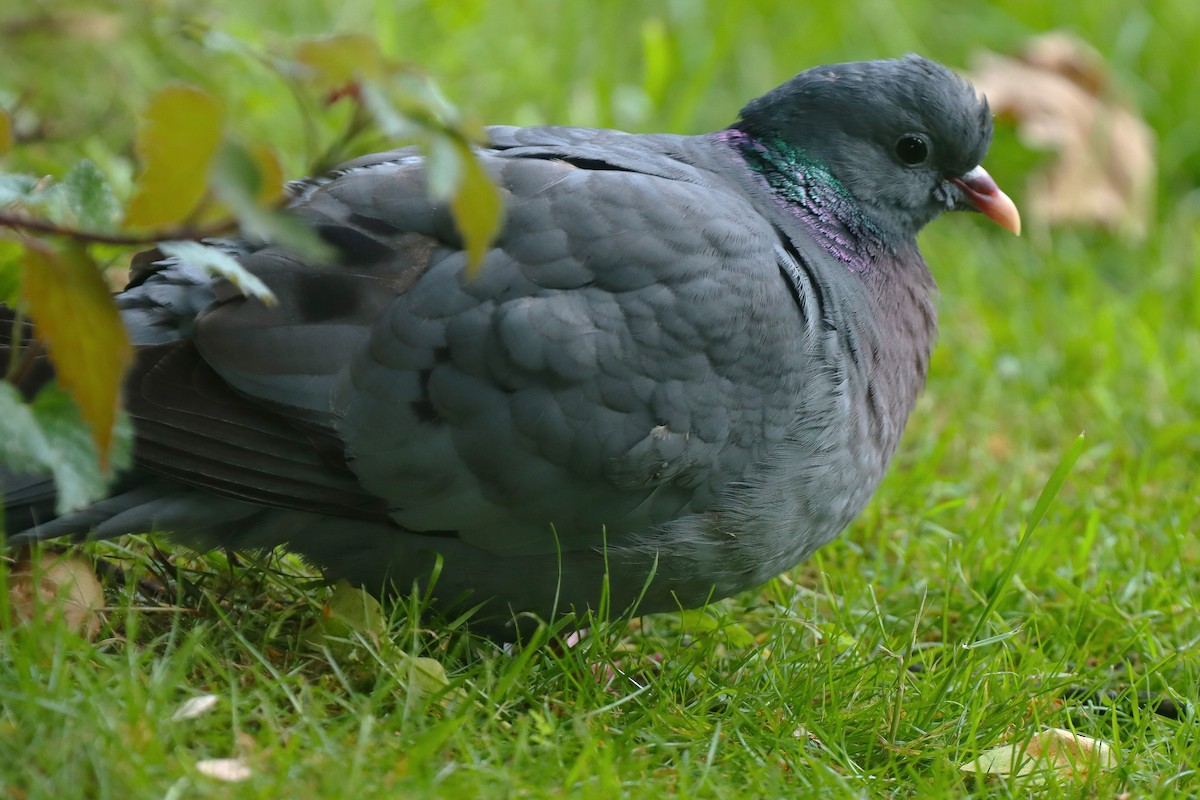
(968, 607)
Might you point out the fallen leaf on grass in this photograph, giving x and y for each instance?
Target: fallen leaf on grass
(348, 611)
(46, 587)
(426, 676)
(1052, 750)
(1062, 98)
(351, 614)
(230, 770)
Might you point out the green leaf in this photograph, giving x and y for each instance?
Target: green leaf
(238, 182)
(89, 198)
(351, 614)
(217, 262)
(355, 610)
(426, 676)
(16, 188)
(75, 316)
(697, 619)
(177, 138)
(477, 209)
(50, 436)
(348, 611)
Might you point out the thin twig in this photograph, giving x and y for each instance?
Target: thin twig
(33, 225)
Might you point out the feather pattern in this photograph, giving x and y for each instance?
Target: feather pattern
(684, 364)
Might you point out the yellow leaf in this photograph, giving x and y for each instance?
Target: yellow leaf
(270, 173)
(177, 138)
(75, 316)
(478, 210)
(338, 60)
(6, 135)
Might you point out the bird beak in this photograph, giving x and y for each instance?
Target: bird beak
(985, 197)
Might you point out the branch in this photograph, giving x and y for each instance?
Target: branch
(32, 225)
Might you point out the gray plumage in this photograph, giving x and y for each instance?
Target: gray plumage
(685, 360)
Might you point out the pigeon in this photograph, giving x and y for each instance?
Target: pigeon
(682, 366)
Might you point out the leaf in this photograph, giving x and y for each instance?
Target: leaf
(48, 435)
(6, 134)
(48, 586)
(16, 188)
(270, 174)
(348, 611)
(354, 610)
(11, 257)
(237, 181)
(426, 676)
(699, 619)
(214, 261)
(89, 198)
(1051, 750)
(177, 138)
(477, 209)
(335, 61)
(75, 316)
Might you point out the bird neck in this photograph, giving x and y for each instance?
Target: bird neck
(807, 190)
(895, 279)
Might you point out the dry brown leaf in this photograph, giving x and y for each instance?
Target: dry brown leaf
(1061, 96)
(1052, 750)
(48, 586)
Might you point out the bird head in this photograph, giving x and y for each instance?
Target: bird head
(905, 138)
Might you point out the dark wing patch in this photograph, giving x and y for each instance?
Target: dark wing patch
(194, 428)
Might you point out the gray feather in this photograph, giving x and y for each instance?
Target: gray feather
(686, 357)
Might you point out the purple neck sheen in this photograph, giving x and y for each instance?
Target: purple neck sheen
(806, 190)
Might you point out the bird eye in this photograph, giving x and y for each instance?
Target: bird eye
(912, 149)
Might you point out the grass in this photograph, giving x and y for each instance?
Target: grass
(923, 637)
